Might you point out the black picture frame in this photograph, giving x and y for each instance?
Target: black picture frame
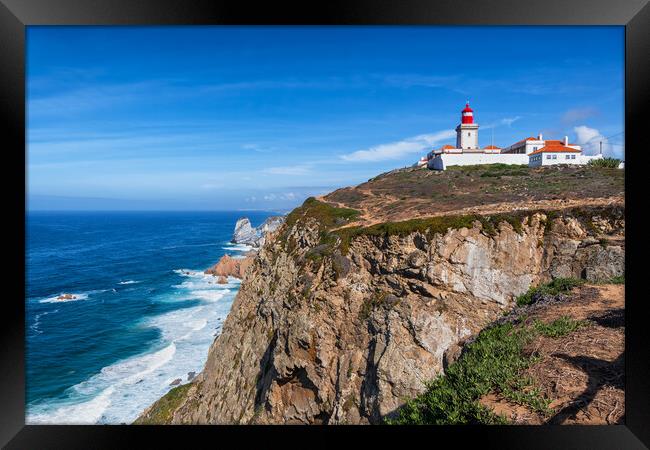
(15, 15)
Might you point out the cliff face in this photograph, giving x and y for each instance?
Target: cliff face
(337, 324)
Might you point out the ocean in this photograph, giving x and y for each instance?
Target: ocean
(144, 314)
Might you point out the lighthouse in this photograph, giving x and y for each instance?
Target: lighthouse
(467, 130)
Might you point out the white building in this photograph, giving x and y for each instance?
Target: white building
(550, 155)
(530, 151)
(559, 152)
(467, 151)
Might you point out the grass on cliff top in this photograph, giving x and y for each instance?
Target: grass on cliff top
(489, 223)
(493, 363)
(466, 186)
(329, 217)
(326, 215)
(161, 412)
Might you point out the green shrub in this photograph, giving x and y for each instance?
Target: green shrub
(161, 412)
(557, 286)
(560, 327)
(618, 279)
(494, 362)
(605, 162)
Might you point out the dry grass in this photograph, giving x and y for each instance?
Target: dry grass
(412, 193)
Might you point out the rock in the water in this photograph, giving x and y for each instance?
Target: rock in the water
(190, 375)
(66, 297)
(246, 234)
(176, 382)
(230, 267)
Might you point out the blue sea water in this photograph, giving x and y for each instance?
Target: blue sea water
(144, 314)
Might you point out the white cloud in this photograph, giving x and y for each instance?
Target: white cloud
(590, 139)
(282, 196)
(257, 148)
(303, 169)
(505, 121)
(510, 120)
(399, 149)
(574, 115)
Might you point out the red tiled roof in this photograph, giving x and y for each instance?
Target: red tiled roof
(555, 148)
(492, 147)
(447, 146)
(524, 140)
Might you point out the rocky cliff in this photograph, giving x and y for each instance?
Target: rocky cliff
(363, 296)
(338, 322)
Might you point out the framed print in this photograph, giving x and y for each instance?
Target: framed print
(365, 217)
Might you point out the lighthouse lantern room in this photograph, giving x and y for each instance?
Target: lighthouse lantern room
(467, 130)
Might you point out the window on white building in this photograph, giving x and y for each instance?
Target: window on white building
(554, 156)
(548, 156)
(568, 157)
(573, 156)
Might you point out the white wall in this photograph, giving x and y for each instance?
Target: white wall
(531, 146)
(441, 162)
(560, 158)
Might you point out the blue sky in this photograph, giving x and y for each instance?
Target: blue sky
(261, 117)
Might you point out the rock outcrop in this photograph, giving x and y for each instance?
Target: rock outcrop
(341, 325)
(246, 234)
(230, 267)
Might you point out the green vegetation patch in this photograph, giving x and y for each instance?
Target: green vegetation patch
(326, 215)
(433, 225)
(618, 280)
(555, 287)
(161, 412)
(558, 328)
(493, 363)
(611, 163)
(504, 170)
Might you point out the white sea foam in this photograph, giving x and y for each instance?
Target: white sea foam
(171, 247)
(119, 392)
(129, 282)
(89, 412)
(189, 273)
(37, 320)
(76, 297)
(238, 247)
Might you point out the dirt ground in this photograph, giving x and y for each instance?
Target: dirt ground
(582, 372)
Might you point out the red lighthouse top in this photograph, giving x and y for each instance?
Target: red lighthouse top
(467, 114)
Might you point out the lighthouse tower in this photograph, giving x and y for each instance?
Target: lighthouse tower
(467, 130)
